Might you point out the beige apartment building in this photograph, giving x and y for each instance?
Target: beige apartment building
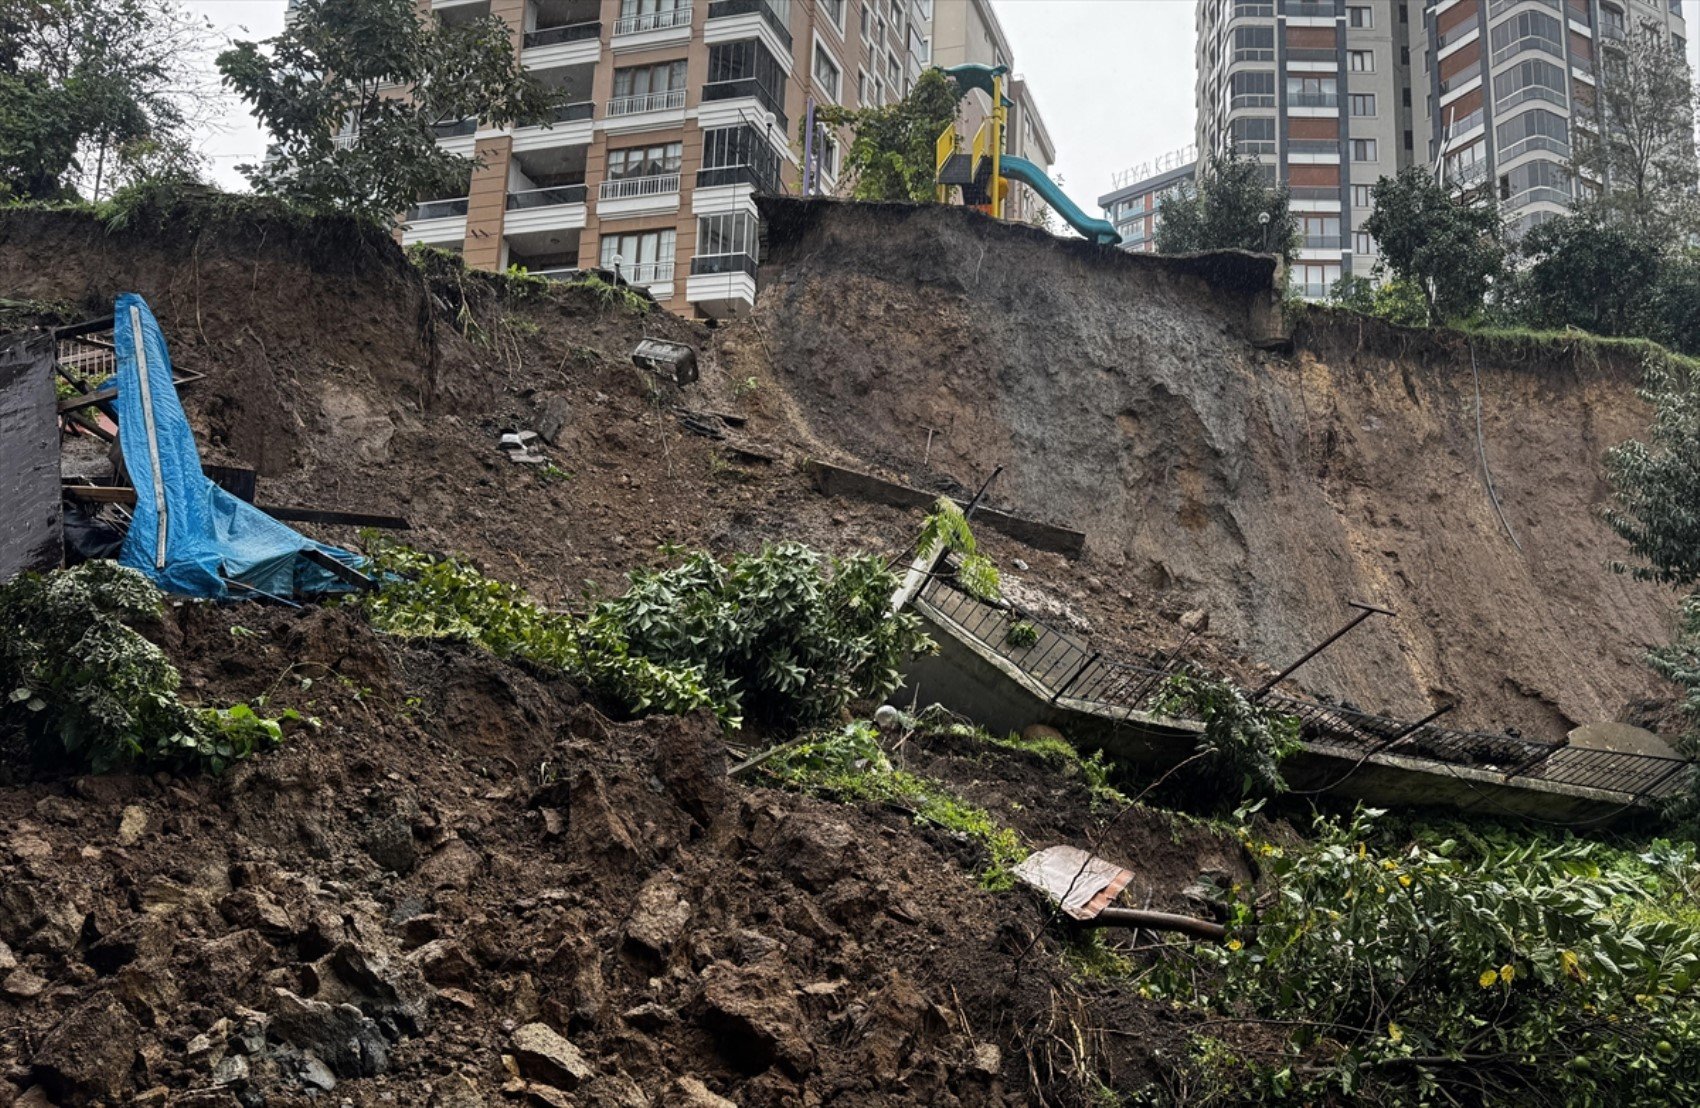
(678, 112)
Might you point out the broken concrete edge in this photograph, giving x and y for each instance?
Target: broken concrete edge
(975, 682)
(834, 480)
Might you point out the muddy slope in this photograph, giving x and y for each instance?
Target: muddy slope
(1123, 397)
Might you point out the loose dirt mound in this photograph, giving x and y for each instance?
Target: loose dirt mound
(1123, 398)
(464, 866)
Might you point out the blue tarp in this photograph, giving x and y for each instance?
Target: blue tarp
(189, 536)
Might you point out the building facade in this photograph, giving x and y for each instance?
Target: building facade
(678, 112)
(1504, 85)
(1135, 202)
(1332, 95)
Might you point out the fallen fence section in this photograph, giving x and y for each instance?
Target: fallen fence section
(1049, 676)
(831, 480)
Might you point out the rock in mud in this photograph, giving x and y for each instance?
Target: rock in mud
(543, 1055)
(23, 985)
(132, 825)
(614, 1091)
(658, 917)
(8, 960)
(456, 1091)
(344, 1039)
(445, 963)
(688, 1092)
(754, 1015)
(88, 1055)
(389, 843)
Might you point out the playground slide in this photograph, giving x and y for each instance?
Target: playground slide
(1095, 230)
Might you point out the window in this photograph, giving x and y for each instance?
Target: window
(826, 154)
(1315, 279)
(1527, 30)
(867, 20)
(1253, 136)
(1254, 89)
(737, 69)
(645, 161)
(633, 9)
(863, 88)
(1466, 167)
(1360, 17)
(643, 256)
(1538, 129)
(644, 80)
(1535, 79)
(1363, 103)
(1363, 197)
(834, 10)
(1254, 44)
(733, 233)
(735, 155)
(1321, 232)
(1313, 92)
(1363, 150)
(1536, 180)
(1360, 61)
(827, 75)
(1363, 242)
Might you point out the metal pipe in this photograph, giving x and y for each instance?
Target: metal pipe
(1159, 921)
(1364, 612)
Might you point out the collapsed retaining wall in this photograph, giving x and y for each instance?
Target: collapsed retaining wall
(1128, 397)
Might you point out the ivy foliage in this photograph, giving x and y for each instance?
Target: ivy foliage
(787, 636)
(893, 154)
(1244, 742)
(1436, 974)
(82, 687)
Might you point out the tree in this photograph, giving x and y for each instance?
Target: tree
(1674, 313)
(1226, 210)
(341, 66)
(893, 155)
(1640, 145)
(95, 94)
(1450, 249)
(1587, 273)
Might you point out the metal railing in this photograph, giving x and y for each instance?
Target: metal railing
(438, 209)
(652, 21)
(708, 264)
(646, 273)
(724, 9)
(625, 188)
(546, 197)
(647, 102)
(571, 32)
(1062, 665)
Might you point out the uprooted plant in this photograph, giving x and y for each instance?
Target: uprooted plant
(1243, 743)
(82, 686)
(787, 635)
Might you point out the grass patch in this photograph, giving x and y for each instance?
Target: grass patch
(849, 765)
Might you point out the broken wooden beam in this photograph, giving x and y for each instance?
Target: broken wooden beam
(90, 399)
(123, 494)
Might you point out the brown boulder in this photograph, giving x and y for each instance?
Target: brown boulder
(88, 1055)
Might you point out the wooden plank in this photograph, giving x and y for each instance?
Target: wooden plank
(336, 568)
(103, 494)
(87, 327)
(88, 400)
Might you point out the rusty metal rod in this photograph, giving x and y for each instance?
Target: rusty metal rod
(1364, 612)
(1158, 921)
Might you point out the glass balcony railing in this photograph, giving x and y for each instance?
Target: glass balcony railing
(704, 265)
(438, 209)
(773, 17)
(714, 176)
(546, 197)
(652, 21)
(748, 86)
(1313, 100)
(645, 273)
(571, 32)
(454, 128)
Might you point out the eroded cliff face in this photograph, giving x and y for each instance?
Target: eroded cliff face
(1126, 396)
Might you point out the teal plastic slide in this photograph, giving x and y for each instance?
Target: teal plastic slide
(1020, 169)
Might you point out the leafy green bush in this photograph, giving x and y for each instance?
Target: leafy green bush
(82, 686)
(786, 635)
(1021, 635)
(1243, 743)
(1534, 971)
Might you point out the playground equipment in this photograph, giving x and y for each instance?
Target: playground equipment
(983, 171)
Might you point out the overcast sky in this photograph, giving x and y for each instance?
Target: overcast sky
(1113, 79)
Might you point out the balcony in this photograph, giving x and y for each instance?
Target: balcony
(554, 208)
(647, 274)
(436, 223)
(1313, 100)
(722, 286)
(704, 265)
(1322, 242)
(568, 125)
(546, 197)
(1313, 150)
(456, 128)
(1312, 9)
(555, 36)
(560, 273)
(1312, 54)
(774, 19)
(1311, 194)
(652, 24)
(753, 89)
(625, 188)
(647, 102)
(720, 176)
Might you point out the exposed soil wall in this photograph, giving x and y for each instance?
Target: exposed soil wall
(1123, 397)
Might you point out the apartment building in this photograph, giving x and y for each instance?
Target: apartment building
(967, 32)
(678, 112)
(1135, 201)
(1319, 92)
(1505, 84)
